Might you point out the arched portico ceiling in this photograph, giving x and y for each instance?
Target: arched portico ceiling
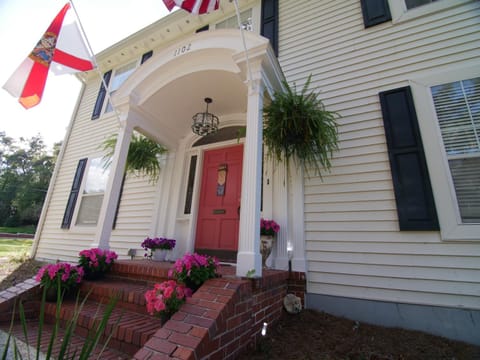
(164, 93)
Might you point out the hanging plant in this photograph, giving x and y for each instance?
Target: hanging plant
(142, 155)
(297, 125)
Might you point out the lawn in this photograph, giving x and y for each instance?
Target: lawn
(14, 247)
(21, 229)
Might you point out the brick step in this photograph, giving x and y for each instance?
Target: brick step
(140, 270)
(129, 330)
(131, 294)
(76, 342)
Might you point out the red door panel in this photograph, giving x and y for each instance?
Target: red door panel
(218, 213)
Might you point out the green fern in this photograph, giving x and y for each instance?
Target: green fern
(142, 155)
(298, 127)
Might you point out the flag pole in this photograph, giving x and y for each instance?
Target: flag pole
(117, 115)
(239, 20)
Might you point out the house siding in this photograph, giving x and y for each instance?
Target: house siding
(354, 248)
(135, 213)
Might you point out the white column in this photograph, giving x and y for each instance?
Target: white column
(248, 257)
(112, 191)
(280, 214)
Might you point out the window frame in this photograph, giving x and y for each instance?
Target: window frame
(400, 13)
(451, 226)
(81, 195)
(255, 19)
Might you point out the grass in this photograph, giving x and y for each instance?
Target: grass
(20, 229)
(14, 247)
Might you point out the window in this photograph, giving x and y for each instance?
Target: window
(447, 104)
(113, 84)
(119, 77)
(415, 3)
(232, 22)
(457, 106)
(93, 190)
(405, 10)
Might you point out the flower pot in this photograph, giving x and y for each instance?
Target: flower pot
(266, 244)
(94, 275)
(68, 294)
(160, 254)
(51, 294)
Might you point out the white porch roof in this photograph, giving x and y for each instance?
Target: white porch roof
(171, 86)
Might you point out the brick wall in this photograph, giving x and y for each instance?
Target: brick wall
(223, 318)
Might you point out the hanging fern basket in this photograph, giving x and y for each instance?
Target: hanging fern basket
(142, 155)
(297, 126)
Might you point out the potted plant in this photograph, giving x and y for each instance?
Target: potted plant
(297, 126)
(142, 155)
(165, 299)
(96, 262)
(194, 269)
(157, 248)
(61, 277)
(268, 231)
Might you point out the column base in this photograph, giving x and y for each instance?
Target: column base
(249, 263)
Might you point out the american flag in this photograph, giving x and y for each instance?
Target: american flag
(193, 6)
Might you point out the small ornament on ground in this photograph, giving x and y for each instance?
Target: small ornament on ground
(292, 304)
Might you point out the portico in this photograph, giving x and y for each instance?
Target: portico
(159, 99)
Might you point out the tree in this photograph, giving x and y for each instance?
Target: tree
(25, 171)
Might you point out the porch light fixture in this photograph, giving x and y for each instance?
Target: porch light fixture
(205, 123)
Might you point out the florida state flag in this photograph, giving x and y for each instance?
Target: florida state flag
(193, 6)
(61, 49)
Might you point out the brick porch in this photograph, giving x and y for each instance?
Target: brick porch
(222, 319)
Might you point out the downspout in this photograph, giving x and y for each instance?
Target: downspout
(56, 170)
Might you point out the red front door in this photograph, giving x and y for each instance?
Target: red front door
(219, 205)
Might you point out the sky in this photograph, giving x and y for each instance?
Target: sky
(22, 24)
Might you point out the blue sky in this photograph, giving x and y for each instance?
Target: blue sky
(23, 22)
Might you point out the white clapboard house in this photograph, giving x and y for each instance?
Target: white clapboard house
(391, 235)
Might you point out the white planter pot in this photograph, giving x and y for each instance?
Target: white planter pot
(266, 244)
(160, 255)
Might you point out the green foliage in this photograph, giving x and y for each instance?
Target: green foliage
(142, 155)
(298, 127)
(66, 350)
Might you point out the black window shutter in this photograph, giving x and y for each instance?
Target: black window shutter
(117, 209)
(375, 12)
(72, 199)
(146, 56)
(269, 23)
(97, 110)
(411, 182)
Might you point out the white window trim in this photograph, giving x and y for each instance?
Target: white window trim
(400, 13)
(256, 14)
(451, 226)
(84, 228)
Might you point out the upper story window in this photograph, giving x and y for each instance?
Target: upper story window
(112, 80)
(119, 77)
(405, 10)
(457, 105)
(415, 3)
(246, 20)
